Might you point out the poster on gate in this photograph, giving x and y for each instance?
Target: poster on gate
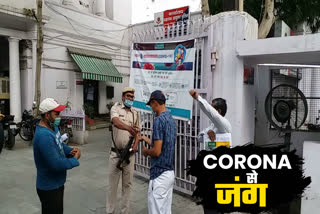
(168, 67)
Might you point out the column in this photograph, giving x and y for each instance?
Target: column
(34, 68)
(101, 7)
(14, 77)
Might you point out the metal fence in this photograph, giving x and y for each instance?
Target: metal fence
(187, 146)
(77, 117)
(307, 80)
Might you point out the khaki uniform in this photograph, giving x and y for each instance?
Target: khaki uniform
(121, 138)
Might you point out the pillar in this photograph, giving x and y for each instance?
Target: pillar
(14, 77)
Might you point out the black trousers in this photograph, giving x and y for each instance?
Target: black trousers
(51, 200)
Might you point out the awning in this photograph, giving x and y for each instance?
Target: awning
(95, 65)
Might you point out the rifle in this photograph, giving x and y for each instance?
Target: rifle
(124, 154)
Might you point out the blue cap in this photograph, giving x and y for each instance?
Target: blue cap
(157, 95)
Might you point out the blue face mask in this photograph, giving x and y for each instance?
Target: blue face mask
(56, 122)
(128, 103)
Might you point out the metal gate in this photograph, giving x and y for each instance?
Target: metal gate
(187, 146)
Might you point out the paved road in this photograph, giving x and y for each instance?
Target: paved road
(85, 188)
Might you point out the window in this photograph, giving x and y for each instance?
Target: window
(110, 92)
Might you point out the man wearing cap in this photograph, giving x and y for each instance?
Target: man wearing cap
(125, 124)
(162, 156)
(50, 156)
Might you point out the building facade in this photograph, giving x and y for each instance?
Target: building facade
(95, 31)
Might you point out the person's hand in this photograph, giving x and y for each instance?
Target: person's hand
(212, 135)
(145, 139)
(142, 138)
(134, 148)
(74, 151)
(78, 155)
(145, 151)
(132, 130)
(194, 94)
(137, 129)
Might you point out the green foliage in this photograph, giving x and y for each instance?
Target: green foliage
(89, 110)
(292, 12)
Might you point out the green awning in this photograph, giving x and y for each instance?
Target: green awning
(95, 66)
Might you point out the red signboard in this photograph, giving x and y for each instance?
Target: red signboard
(170, 17)
(173, 16)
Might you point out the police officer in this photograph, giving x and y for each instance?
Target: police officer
(125, 123)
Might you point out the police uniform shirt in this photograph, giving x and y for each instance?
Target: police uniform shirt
(130, 118)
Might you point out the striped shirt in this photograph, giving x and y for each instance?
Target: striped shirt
(164, 128)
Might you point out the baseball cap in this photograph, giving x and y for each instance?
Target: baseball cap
(128, 89)
(49, 104)
(156, 95)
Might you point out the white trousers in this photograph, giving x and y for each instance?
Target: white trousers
(160, 193)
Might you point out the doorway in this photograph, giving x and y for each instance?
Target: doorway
(91, 97)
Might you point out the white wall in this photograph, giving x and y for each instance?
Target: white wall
(311, 198)
(87, 32)
(117, 94)
(19, 3)
(122, 11)
(229, 28)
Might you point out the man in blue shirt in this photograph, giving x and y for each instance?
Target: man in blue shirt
(162, 156)
(50, 156)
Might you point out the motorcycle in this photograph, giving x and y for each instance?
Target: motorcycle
(65, 127)
(8, 131)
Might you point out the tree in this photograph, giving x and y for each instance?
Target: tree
(39, 56)
(205, 8)
(292, 12)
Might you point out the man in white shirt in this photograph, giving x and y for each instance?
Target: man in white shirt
(215, 112)
(219, 124)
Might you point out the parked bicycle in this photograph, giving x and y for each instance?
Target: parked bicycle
(8, 131)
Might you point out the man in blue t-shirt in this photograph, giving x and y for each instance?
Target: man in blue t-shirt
(162, 156)
(50, 156)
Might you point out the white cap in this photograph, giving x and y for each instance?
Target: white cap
(49, 104)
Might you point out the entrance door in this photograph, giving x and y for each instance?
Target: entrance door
(91, 94)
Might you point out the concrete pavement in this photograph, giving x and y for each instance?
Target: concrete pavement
(85, 190)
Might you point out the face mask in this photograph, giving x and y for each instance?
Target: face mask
(55, 123)
(128, 103)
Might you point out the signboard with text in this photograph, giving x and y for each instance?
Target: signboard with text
(168, 18)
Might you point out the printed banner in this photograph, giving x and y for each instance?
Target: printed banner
(168, 67)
